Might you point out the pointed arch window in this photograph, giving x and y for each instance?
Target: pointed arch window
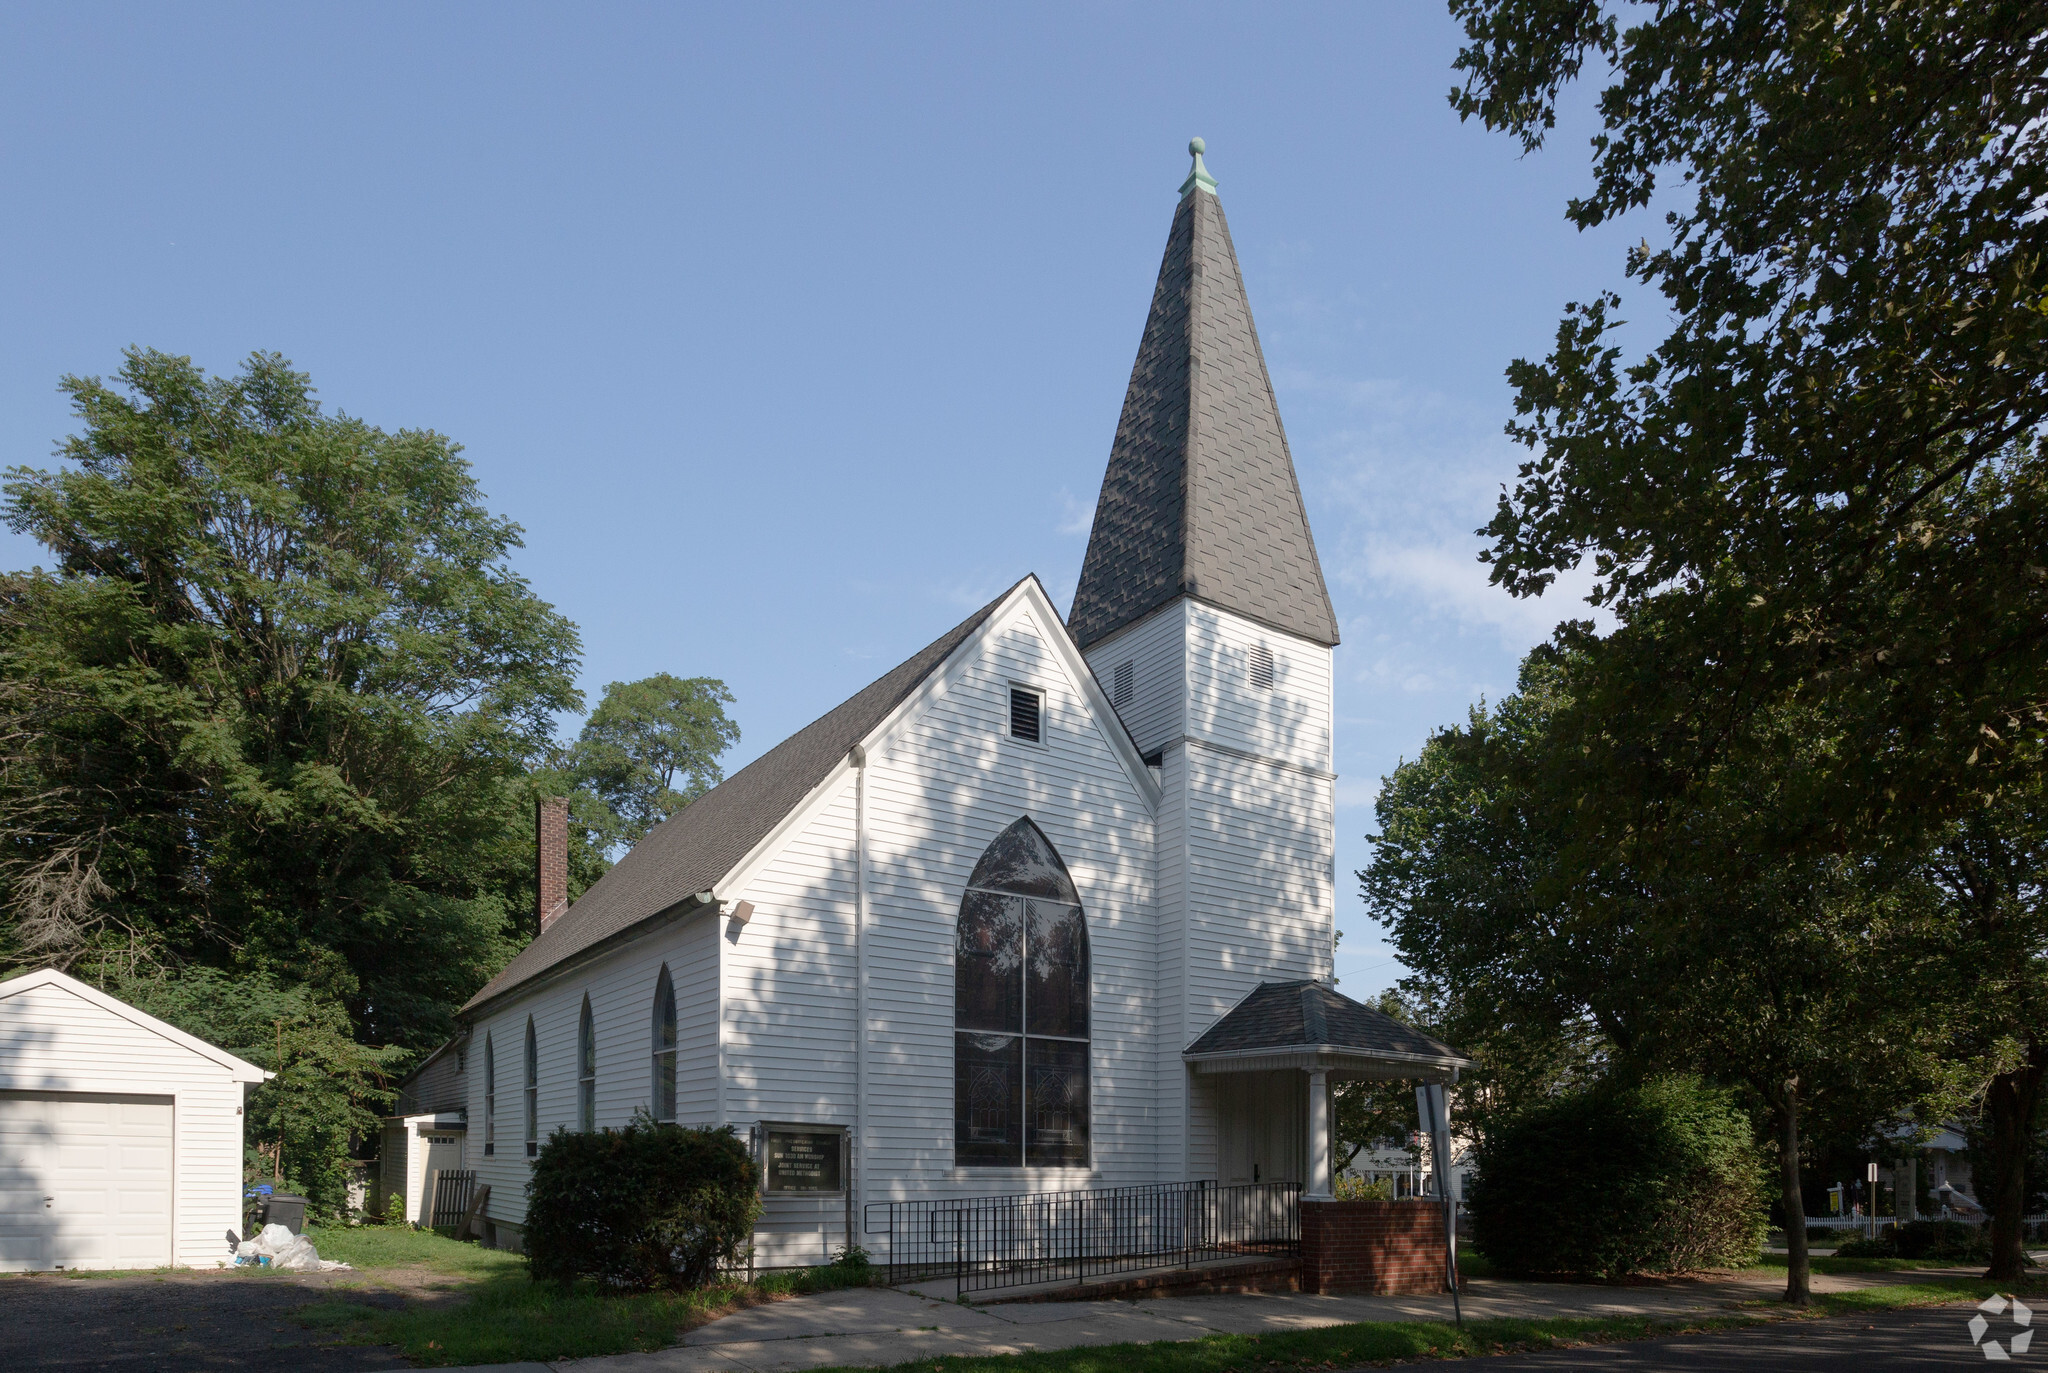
(586, 1070)
(532, 1091)
(664, 1046)
(490, 1099)
(1020, 1010)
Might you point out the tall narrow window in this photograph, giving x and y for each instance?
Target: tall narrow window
(532, 1091)
(1020, 1010)
(586, 1071)
(490, 1099)
(664, 1047)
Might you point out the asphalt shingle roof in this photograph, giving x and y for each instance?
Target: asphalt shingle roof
(692, 849)
(1290, 1015)
(1200, 498)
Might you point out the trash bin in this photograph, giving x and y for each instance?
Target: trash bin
(286, 1210)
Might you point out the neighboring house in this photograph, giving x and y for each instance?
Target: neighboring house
(1049, 906)
(425, 1132)
(120, 1136)
(1410, 1172)
(1947, 1180)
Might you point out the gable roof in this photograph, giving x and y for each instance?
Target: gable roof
(689, 852)
(1305, 1014)
(1200, 497)
(239, 1069)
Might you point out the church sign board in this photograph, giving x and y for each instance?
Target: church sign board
(803, 1159)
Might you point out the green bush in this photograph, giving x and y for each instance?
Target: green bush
(1656, 1177)
(650, 1206)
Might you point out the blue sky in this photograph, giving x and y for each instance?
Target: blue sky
(792, 333)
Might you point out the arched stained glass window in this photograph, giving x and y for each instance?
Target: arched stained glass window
(586, 1070)
(664, 1046)
(490, 1099)
(1020, 1010)
(532, 1091)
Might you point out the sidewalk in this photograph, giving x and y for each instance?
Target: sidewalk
(880, 1325)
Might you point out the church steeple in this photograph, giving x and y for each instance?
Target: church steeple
(1200, 498)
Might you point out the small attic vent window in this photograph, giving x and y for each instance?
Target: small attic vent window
(1025, 708)
(1259, 668)
(1125, 684)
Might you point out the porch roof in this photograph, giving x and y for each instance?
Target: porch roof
(1307, 1025)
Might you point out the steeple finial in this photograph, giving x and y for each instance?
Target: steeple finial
(1200, 175)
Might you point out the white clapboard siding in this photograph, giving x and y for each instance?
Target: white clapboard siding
(790, 1012)
(948, 782)
(59, 1036)
(620, 985)
(1156, 649)
(1258, 875)
(1290, 721)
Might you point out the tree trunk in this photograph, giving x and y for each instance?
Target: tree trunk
(1798, 1276)
(2012, 1103)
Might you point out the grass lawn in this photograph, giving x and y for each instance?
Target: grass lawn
(371, 1247)
(494, 1313)
(491, 1312)
(1829, 1264)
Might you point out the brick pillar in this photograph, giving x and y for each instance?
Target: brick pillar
(550, 859)
(1378, 1247)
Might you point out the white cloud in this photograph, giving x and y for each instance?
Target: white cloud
(1076, 516)
(1448, 579)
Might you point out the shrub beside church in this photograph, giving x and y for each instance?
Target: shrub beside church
(1662, 1176)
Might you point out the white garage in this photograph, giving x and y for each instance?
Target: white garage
(120, 1136)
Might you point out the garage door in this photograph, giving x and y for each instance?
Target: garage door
(85, 1181)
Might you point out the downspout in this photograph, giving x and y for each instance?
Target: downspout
(1187, 940)
(859, 1181)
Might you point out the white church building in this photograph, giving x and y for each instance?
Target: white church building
(1048, 907)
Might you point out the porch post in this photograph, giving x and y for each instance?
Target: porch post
(1318, 1134)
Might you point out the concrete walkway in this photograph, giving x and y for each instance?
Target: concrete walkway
(872, 1326)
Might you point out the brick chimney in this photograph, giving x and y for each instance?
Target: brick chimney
(551, 859)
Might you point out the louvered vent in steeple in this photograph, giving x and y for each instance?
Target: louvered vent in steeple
(1259, 668)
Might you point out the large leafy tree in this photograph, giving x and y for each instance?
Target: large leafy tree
(271, 709)
(1821, 493)
(1992, 868)
(1526, 875)
(326, 1089)
(651, 747)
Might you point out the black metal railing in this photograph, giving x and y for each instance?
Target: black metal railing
(984, 1243)
(453, 1188)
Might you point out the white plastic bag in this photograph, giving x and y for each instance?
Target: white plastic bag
(287, 1252)
(296, 1255)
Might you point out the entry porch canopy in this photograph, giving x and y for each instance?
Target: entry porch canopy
(1309, 1027)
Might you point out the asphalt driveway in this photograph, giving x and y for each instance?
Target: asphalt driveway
(177, 1322)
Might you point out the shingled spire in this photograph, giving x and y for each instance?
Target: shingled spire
(1200, 498)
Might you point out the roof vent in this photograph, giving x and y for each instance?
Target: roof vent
(1126, 683)
(1025, 706)
(1259, 668)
